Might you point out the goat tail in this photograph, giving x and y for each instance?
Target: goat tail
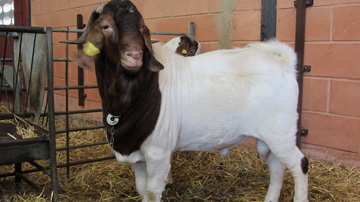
(287, 55)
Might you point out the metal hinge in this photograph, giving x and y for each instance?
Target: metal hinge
(307, 68)
(308, 3)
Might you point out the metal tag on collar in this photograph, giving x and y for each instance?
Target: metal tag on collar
(112, 120)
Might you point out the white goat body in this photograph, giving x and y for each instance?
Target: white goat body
(220, 98)
(215, 101)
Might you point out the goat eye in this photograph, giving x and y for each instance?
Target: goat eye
(106, 26)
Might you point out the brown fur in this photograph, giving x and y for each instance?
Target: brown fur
(188, 44)
(305, 165)
(135, 93)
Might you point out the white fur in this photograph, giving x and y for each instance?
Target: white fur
(215, 101)
(173, 43)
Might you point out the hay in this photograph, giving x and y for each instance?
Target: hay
(24, 129)
(198, 176)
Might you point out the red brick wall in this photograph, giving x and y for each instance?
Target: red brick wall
(331, 101)
(331, 109)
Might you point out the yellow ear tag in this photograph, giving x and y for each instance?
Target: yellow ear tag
(184, 52)
(91, 50)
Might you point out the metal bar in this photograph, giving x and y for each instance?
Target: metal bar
(28, 7)
(40, 168)
(74, 87)
(7, 175)
(268, 19)
(70, 30)
(79, 111)
(299, 48)
(154, 33)
(67, 105)
(12, 28)
(6, 59)
(60, 60)
(81, 94)
(17, 170)
(59, 166)
(87, 161)
(79, 129)
(82, 146)
(168, 33)
(27, 115)
(51, 112)
(192, 29)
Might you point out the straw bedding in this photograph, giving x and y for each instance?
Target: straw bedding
(198, 176)
(23, 129)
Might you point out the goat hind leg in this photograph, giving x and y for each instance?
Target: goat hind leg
(297, 163)
(300, 173)
(277, 170)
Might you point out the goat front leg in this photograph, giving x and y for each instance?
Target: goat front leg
(169, 176)
(157, 172)
(140, 178)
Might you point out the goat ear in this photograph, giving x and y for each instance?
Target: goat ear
(84, 61)
(154, 65)
(147, 38)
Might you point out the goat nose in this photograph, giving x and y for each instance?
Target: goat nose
(136, 55)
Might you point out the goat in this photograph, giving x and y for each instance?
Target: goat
(156, 102)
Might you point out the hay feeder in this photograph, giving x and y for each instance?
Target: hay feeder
(20, 140)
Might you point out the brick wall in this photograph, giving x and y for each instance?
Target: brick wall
(331, 101)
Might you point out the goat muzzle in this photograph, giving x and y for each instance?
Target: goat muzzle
(132, 60)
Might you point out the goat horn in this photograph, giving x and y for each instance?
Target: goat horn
(94, 15)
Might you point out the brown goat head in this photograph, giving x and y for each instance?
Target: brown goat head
(188, 46)
(119, 33)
